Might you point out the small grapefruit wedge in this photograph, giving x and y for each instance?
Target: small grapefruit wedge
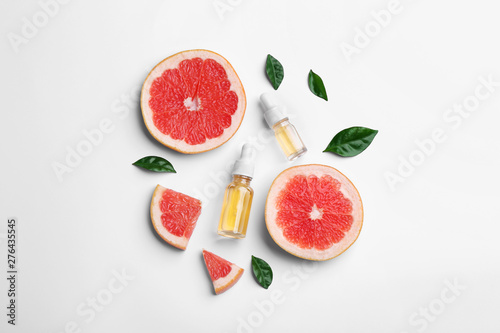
(193, 101)
(174, 216)
(223, 273)
(313, 212)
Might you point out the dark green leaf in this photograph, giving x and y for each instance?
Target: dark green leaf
(262, 272)
(351, 141)
(155, 163)
(274, 71)
(316, 85)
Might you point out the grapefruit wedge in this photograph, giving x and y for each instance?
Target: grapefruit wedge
(223, 273)
(193, 101)
(313, 212)
(174, 215)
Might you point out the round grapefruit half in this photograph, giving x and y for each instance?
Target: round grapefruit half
(223, 273)
(313, 212)
(193, 101)
(174, 215)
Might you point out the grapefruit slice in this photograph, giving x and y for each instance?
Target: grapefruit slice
(174, 215)
(224, 274)
(313, 212)
(193, 101)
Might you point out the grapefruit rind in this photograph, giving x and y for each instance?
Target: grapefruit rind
(156, 213)
(222, 284)
(173, 62)
(348, 190)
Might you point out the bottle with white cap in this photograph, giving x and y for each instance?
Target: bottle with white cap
(286, 134)
(238, 197)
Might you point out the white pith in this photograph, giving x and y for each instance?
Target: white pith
(223, 284)
(316, 213)
(173, 62)
(347, 189)
(192, 104)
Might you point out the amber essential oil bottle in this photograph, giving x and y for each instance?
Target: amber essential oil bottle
(238, 197)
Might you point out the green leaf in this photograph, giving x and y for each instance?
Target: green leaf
(316, 85)
(351, 141)
(155, 163)
(262, 271)
(274, 71)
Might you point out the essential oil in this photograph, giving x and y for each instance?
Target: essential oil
(238, 197)
(287, 136)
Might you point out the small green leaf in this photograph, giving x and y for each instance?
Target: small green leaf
(155, 163)
(262, 272)
(351, 141)
(274, 71)
(316, 85)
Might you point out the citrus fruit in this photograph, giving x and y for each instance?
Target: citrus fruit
(174, 215)
(313, 211)
(223, 273)
(193, 101)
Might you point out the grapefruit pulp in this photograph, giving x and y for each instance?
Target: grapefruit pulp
(223, 274)
(193, 101)
(313, 212)
(174, 215)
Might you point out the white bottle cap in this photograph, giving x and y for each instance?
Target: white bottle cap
(273, 111)
(245, 165)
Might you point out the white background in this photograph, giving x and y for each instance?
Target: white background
(84, 64)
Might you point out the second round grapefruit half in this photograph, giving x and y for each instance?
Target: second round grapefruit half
(313, 212)
(193, 101)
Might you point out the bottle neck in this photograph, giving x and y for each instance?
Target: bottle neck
(274, 115)
(245, 180)
(282, 122)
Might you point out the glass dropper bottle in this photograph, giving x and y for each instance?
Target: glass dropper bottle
(238, 197)
(286, 134)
